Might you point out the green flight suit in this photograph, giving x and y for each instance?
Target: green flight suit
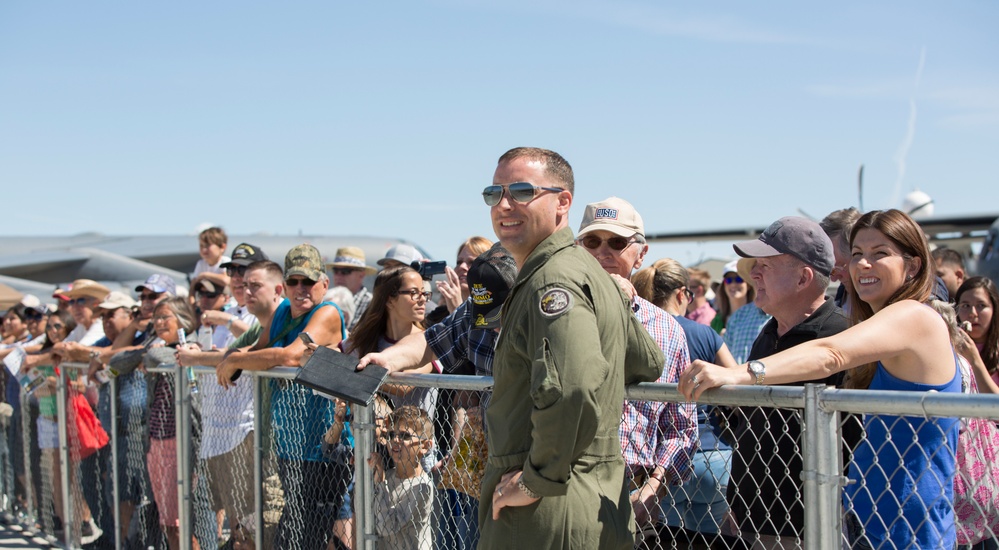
(568, 346)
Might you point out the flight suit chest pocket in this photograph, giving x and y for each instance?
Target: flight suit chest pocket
(546, 384)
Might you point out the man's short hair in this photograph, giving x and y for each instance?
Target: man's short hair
(556, 168)
(948, 256)
(214, 235)
(698, 277)
(414, 417)
(838, 225)
(271, 268)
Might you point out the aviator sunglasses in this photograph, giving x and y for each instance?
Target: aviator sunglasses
(521, 192)
(616, 243)
(294, 282)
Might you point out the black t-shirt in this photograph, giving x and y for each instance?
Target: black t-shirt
(765, 492)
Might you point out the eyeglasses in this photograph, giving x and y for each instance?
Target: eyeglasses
(966, 307)
(55, 326)
(520, 191)
(737, 279)
(413, 293)
(148, 297)
(618, 244)
(205, 294)
(78, 302)
(345, 270)
(163, 318)
(688, 294)
(405, 437)
(292, 283)
(235, 270)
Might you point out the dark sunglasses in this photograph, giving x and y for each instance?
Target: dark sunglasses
(236, 270)
(56, 326)
(344, 270)
(521, 192)
(405, 437)
(616, 243)
(206, 294)
(413, 293)
(78, 302)
(33, 316)
(292, 283)
(737, 279)
(148, 297)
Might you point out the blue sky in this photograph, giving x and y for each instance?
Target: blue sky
(387, 118)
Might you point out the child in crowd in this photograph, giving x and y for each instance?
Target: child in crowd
(404, 495)
(212, 243)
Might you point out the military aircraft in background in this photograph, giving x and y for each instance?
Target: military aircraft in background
(38, 265)
(963, 233)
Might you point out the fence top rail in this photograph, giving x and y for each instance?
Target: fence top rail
(831, 399)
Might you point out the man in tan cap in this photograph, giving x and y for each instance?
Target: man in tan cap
(658, 439)
(349, 270)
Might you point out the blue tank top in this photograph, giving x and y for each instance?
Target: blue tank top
(904, 469)
(300, 417)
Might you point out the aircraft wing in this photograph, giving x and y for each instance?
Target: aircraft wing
(939, 228)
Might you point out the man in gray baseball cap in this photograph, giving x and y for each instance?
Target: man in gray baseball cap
(794, 258)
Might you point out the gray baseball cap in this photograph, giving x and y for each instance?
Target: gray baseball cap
(799, 237)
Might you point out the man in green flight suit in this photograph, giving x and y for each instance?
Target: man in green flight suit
(569, 344)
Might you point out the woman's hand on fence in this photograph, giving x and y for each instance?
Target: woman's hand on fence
(702, 376)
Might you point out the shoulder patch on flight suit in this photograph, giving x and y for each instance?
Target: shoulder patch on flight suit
(555, 302)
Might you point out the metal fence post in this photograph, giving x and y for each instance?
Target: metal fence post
(258, 452)
(822, 473)
(115, 488)
(67, 503)
(364, 429)
(182, 396)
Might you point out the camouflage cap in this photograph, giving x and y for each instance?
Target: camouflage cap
(304, 260)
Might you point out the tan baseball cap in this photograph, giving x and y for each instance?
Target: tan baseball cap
(615, 215)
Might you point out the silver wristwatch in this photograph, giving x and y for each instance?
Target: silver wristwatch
(759, 370)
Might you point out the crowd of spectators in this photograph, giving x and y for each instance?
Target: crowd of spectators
(695, 473)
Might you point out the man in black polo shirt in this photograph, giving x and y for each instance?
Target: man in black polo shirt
(794, 258)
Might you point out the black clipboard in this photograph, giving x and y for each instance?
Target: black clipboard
(333, 373)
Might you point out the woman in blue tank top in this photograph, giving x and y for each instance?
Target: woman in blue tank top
(901, 495)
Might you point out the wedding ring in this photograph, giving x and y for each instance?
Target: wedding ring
(499, 492)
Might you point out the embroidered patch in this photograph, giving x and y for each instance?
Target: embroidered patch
(555, 302)
(605, 214)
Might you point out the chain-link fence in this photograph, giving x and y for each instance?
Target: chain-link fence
(269, 464)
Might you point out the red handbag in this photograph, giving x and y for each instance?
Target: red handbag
(90, 435)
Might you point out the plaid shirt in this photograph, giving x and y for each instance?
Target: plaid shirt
(457, 345)
(361, 301)
(742, 329)
(654, 433)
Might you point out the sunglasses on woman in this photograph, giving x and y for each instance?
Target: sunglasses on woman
(730, 280)
(521, 192)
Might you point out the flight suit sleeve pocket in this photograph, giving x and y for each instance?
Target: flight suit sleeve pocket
(546, 385)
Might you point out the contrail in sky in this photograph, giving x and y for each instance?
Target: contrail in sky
(903, 148)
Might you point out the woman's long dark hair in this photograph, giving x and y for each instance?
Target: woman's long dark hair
(68, 322)
(908, 237)
(374, 323)
(990, 348)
